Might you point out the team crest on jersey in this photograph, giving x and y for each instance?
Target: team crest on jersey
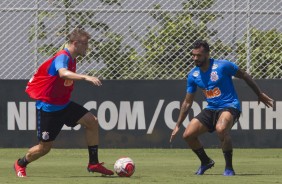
(196, 74)
(214, 66)
(214, 76)
(45, 135)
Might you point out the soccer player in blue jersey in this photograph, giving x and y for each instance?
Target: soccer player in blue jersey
(214, 78)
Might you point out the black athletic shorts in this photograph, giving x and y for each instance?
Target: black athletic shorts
(49, 124)
(209, 117)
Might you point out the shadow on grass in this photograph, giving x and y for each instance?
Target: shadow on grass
(94, 176)
(76, 176)
(115, 176)
(241, 174)
(255, 174)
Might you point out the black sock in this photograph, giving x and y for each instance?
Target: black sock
(93, 154)
(228, 159)
(202, 156)
(23, 162)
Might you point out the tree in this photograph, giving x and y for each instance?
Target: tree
(40, 30)
(121, 60)
(265, 53)
(108, 48)
(167, 43)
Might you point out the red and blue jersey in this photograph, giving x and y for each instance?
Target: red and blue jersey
(51, 92)
(216, 84)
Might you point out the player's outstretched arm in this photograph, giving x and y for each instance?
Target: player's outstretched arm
(262, 97)
(67, 74)
(185, 107)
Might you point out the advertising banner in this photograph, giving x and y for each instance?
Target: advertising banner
(141, 114)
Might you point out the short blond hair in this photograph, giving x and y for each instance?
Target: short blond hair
(77, 34)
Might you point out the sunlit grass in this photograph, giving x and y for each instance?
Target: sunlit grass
(68, 166)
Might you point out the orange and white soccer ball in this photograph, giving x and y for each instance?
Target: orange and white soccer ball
(124, 167)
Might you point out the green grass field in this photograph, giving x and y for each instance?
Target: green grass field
(68, 166)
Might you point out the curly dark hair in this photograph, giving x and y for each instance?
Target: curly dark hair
(201, 43)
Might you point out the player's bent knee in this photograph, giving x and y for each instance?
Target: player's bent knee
(222, 131)
(91, 122)
(187, 137)
(89, 117)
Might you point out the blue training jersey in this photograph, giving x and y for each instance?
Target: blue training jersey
(216, 84)
(59, 62)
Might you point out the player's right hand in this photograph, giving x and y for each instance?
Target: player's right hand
(173, 134)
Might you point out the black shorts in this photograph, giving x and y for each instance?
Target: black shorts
(49, 124)
(209, 117)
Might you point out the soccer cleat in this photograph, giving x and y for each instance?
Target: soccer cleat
(203, 168)
(20, 171)
(99, 168)
(228, 172)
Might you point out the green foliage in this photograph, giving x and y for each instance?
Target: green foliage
(167, 43)
(47, 49)
(118, 57)
(265, 53)
(108, 49)
(165, 46)
(83, 19)
(111, 2)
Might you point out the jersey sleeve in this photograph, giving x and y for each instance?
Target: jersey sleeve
(191, 85)
(61, 61)
(231, 68)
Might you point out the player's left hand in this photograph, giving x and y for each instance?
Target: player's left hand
(265, 99)
(93, 80)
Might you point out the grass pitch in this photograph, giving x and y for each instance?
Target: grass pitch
(68, 166)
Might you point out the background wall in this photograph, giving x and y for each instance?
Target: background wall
(140, 114)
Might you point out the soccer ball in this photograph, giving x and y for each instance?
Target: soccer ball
(124, 167)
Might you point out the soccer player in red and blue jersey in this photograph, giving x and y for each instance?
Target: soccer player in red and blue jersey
(214, 78)
(51, 87)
